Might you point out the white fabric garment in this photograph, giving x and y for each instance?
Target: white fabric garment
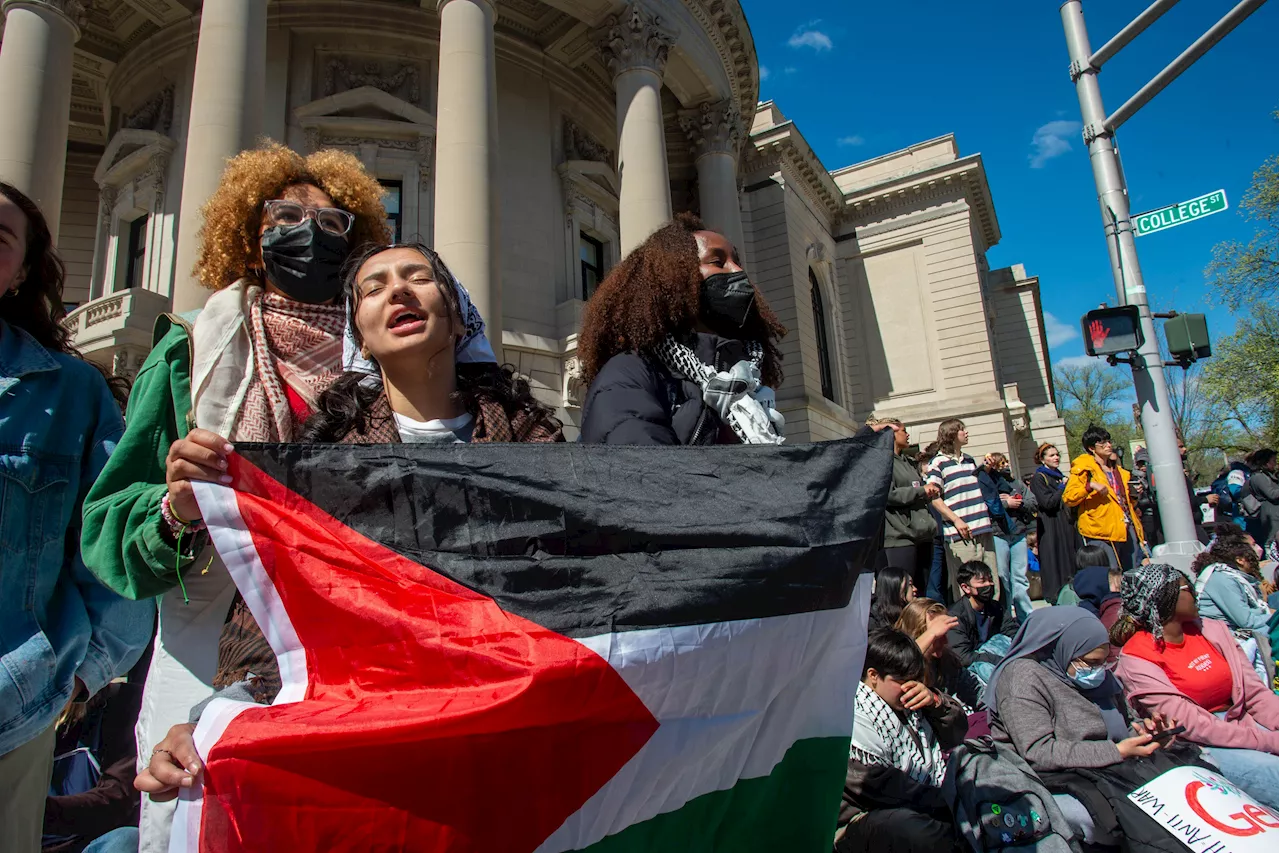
(440, 431)
(186, 646)
(737, 395)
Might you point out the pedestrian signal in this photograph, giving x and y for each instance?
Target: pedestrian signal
(1188, 337)
(1110, 331)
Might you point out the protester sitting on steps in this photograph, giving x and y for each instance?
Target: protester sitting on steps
(1175, 663)
(1105, 515)
(1230, 588)
(984, 629)
(892, 794)
(1053, 699)
(928, 623)
(894, 590)
(1086, 557)
(679, 347)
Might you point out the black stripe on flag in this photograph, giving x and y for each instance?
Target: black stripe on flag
(588, 539)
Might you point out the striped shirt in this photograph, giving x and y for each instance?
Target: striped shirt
(958, 479)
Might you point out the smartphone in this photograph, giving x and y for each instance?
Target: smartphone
(1168, 734)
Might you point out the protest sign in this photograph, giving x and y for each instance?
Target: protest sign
(1207, 813)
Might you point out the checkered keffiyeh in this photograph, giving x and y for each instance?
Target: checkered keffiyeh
(737, 395)
(1150, 594)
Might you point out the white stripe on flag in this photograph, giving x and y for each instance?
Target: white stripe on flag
(731, 698)
(234, 543)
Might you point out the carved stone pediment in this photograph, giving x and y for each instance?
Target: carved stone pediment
(132, 154)
(368, 114)
(155, 113)
(580, 145)
(400, 79)
(590, 183)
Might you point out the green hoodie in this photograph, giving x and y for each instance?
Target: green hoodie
(125, 542)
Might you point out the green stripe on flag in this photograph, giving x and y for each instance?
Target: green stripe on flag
(793, 808)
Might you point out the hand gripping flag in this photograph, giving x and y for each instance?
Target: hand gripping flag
(492, 648)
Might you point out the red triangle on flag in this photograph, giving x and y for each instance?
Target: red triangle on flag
(433, 720)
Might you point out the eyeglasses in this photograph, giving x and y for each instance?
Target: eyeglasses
(288, 213)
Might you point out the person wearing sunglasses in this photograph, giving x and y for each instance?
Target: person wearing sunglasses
(250, 366)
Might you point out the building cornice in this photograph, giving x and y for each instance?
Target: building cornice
(905, 193)
(783, 143)
(726, 26)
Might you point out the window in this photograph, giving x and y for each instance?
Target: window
(591, 255)
(820, 333)
(391, 201)
(136, 255)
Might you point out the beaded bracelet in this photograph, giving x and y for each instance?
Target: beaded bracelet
(177, 524)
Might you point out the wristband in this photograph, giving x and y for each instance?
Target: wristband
(177, 524)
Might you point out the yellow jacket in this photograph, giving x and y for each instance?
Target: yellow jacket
(1099, 515)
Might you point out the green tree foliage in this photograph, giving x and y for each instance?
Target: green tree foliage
(1095, 394)
(1243, 376)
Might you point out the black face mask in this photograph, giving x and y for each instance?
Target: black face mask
(985, 594)
(304, 261)
(727, 301)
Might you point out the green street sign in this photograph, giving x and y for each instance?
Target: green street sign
(1178, 214)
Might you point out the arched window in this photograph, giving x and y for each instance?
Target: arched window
(820, 335)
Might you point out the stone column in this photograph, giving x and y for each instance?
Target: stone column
(715, 131)
(226, 118)
(35, 98)
(635, 48)
(466, 210)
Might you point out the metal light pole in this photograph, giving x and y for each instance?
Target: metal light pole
(1113, 198)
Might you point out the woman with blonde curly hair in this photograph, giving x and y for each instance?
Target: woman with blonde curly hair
(679, 347)
(249, 366)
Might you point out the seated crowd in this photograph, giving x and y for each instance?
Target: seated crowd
(1075, 691)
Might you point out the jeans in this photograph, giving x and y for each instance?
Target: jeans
(122, 840)
(1011, 557)
(937, 586)
(1256, 773)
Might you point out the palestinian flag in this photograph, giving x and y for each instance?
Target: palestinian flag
(492, 648)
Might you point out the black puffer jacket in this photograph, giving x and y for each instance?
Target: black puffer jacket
(635, 399)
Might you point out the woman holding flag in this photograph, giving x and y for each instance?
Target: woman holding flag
(419, 369)
(250, 366)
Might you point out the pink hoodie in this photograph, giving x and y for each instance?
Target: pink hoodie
(1149, 690)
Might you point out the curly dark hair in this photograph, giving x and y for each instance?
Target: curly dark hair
(347, 404)
(1232, 548)
(655, 292)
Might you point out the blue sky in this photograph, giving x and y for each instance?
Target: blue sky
(861, 79)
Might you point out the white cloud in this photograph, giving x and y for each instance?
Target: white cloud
(790, 69)
(1077, 361)
(1058, 332)
(1052, 140)
(764, 73)
(854, 140)
(808, 35)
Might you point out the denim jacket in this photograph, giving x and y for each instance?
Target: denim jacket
(58, 425)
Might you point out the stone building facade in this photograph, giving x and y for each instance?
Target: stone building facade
(533, 144)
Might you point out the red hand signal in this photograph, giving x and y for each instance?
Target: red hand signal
(1098, 333)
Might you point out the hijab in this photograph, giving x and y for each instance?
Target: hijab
(1054, 637)
(1093, 585)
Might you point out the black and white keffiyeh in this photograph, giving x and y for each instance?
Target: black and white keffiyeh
(737, 395)
(905, 742)
(1150, 595)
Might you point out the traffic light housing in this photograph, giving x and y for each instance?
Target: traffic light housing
(1188, 337)
(1111, 331)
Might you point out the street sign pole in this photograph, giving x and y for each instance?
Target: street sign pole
(1147, 363)
(1179, 214)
